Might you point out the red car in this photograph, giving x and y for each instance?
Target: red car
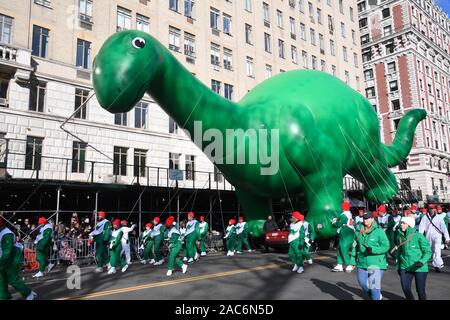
(277, 239)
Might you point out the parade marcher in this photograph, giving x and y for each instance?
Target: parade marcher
(230, 236)
(115, 248)
(11, 265)
(443, 215)
(296, 240)
(125, 240)
(432, 226)
(101, 236)
(359, 219)
(370, 247)
(43, 244)
(392, 226)
(383, 217)
(419, 216)
(242, 235)
(157, 235)
(414, 211)
(192, 234)
(175, 245)
(411, 252)
(310, 236)
(147, 245)
(346, 231)
(204, 227)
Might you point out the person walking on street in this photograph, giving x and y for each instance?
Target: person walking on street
(433, 227)
(43, 244)
(175, 246)
(310, 236)
(369, 248)
(383, 217)
(192, 234)
(101, 236)
(147, 245)
(242, 235)
(230, 236)
(115, 248)
(296, 240)
(411, 252)
(204, 227)
(346, 231)
(157, 235)
(359, 220)
(126, 240)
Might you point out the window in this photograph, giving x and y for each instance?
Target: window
(227, 24)
(355, 59)
(343, 30)
(302, 31)
(214, 18)
(347, 77)
(390, 48)
(312, 35)
(365, 39)
(361, 6)
(215, 86)
(4, 84)
(333, 70)
(395, 105)
(83, 54)
(6, 29)
(366, 56)
(294, 54)
(121, 119)
(314, 62)
(341, 6)
(123, 19)
(292, 27)
(344, 51)
(311, 11)
(120, 161)
(140, 115)
(353, 36)
(33, 153)
(370, 92)
(332, 48)
(189, 8)
(330, 24)
(391, 67)
(37, 96)
(189, 45)
(40, 41)
(142, 23)
(174, 161)
(319, 16)
(266, 12)
(267, 43)
(218, 177)
(363, 22)
(173, 126)
(80, 99)
(249, 63)
(173, 5)
(268, 71)
(304, 59)
(174, 39)
(190, 167)
(228, 91)
(301, 6)
(393, 86)
(78, 157)
(248, 33)
(215, 54)
(351, 14)
(322, 65)
(281, 48)
(248, 5)
(280, 19)
(85, 10)
(140, 159)
(387, 30)
(227, 59)
(386, 13)
(358, 87)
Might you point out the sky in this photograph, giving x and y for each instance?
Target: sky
(444, 4)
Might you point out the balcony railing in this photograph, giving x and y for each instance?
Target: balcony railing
(11, 54)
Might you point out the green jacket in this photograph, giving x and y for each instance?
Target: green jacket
(416, 249)
(203, 227)
(230, 232)
(105, 236)
(10, 254)
(44, 242)
(116, 238)
(342, 225)
(378, 241)
(175, 238)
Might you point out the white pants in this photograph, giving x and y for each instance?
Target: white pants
(435, 243)
(126, 250)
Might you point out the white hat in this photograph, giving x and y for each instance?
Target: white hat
(409, 221)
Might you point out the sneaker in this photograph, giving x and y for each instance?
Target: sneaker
(152, 261)
(300, 270)
(349, 269)
(249, 250)
(112, 270)
(32, 296)
(185, 259)
(99, 270)
(38, 275)
(203, 254)
(184, 268)
(232, 253)
(310, 261)
(238, 252)
(158, 263)
(50, 267)
(438, 270)
(190, 260)
(295, 268)
(169, 273)
(108, 266)
(144, 261)
(125, 268)
(229, 253)
(338, 268)
(196, 256)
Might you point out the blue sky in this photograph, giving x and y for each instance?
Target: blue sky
(444, 4)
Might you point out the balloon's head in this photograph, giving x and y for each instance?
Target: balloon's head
(123, 69)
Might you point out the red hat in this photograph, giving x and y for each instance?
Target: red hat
(116, 222)
(231, 221)
(345, 206)
(375, 214)
(170, 221)
(149, 225)
(423, 210)
(241, 219)
(123, 222)
(413, 207)
(395, 211)
(101, 214)
(190, 215)
(439, 208)
(361, 211)
(42, 220)
(297, 215)
(406, 212)
(382, 208)
(431, 206)
(202, 218)
(156, 220)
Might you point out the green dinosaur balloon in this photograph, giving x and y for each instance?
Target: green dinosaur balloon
(324, 128)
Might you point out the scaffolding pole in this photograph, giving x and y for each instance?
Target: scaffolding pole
(96, 207)
(58, 192)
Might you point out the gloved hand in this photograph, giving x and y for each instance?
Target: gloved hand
(369, 250)
(418, 264)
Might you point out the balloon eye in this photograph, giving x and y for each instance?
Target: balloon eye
(138, 43)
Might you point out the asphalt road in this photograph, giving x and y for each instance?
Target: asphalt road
(247, 276)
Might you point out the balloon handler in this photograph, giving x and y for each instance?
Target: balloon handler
(310, 236)
(157, 235)
(346, 232)
(115, 249)
(296, 240)
(101, 236)
(11, 264)
(175, 245)
(147, 245)
(204, 227)
(230, 237)
(43, 244)
(242, 235)
(192, 235)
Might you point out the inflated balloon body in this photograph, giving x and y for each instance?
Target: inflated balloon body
(320, 127)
